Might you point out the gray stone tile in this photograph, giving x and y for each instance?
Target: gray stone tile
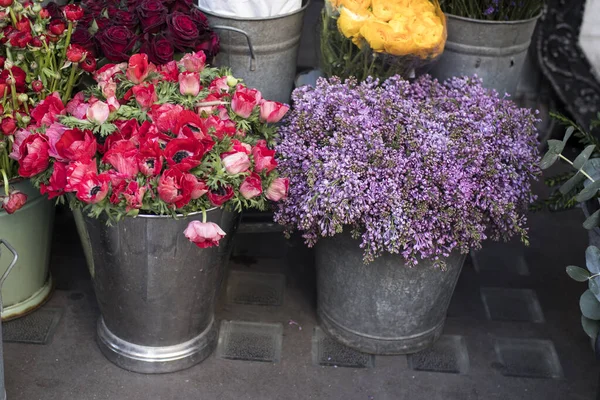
(250, 341)
(530, 358)
(512, 305)
(255, 288)
(326, 351)
(449, 354)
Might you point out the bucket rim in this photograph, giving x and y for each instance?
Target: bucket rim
(301, 9)
(192, 214)
(498, 23)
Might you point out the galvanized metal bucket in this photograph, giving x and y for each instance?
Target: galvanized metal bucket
(384, 307)
(261, 51)
(494, 50)
(2, 279)
(156, 290)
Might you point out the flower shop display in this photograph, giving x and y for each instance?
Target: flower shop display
(157, 161)
(406, 178)
(161, 29)
(37, 61)
(380, 38)
(262, 50)
(488, 38)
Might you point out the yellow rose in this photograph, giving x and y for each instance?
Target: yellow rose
(386, 9)
(377, 34)
(400, 44)
(359, 7)
(421, 6)
(350, 23)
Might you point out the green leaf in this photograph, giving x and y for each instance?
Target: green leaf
(50, 74)
(568, 134)
(588, 192)
(571, 183)
(583, 157)
(556, 146)
(590, 307)
(592, 259)
(594, 287)
(592, 221)
(577, 273)
(548, 160)
(590, 326)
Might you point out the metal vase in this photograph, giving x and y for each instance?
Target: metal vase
(494, 50)
(156, 290)
(261, 51)
(383, 307)
(11, 265)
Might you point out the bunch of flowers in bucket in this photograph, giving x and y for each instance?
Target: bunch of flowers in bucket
(419, 169)
(37, 60)
(118, 29)
(380, 38)
(167, 140)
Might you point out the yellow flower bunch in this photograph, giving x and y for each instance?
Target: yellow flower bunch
(397, 27)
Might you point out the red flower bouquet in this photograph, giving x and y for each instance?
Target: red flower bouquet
(38, 62)
(174, 139)
(117, 29)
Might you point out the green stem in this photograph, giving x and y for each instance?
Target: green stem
(69, 32)
(70, 83)
(5, 178)
(203, 215)
(13, 17)
(581, 170)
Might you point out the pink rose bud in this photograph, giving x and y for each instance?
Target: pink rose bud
(272, 111)
(236, 163)
(194, 62)
(251, 186)
(204, 234)
(278, 189)
(14, 201)
(98, 112)
(189, 83)
(243, 103)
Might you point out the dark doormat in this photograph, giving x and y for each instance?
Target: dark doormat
(35, 328)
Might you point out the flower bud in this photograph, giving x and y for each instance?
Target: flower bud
(36, 8)
(17, 7)
(232, 81)
(33, 65)
(8, 64)
(37, 86)
(22, 98)
(10, 80)
(26, 119)
(20, 57)
(37, 28)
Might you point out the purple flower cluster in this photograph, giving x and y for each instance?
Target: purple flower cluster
(417, 169)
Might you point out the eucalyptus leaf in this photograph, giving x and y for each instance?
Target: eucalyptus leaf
(594, 287)
(548, 160)
(592, 221)
(590, 307)
(590, 327)
(571, 183)
(592, 259)
(578, 274)
(555, 146)
(568, 134)
(588, 192)
(583, 157)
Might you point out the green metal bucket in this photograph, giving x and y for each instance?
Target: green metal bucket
(29, 230)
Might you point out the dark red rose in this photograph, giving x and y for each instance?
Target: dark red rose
(34, 155)
(199, 17)
(127, 19)
(115, 42)
(183, 6)
(93, 7)
(57, 26)
(220, 196)
(159, 49)
(152, 15)
(103, 23)
(19, 76)
(209, 45)
(183, 31)
(81, 36)
(73, 12)
(54, 10)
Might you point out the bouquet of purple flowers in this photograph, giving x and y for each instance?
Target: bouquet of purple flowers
(420, 169)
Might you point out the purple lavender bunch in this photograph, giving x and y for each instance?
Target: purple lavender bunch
(417, 169)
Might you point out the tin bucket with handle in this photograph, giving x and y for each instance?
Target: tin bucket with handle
(261, 51)
(2, 279)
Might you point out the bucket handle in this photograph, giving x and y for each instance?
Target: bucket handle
(12, 264)
(252, 56)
